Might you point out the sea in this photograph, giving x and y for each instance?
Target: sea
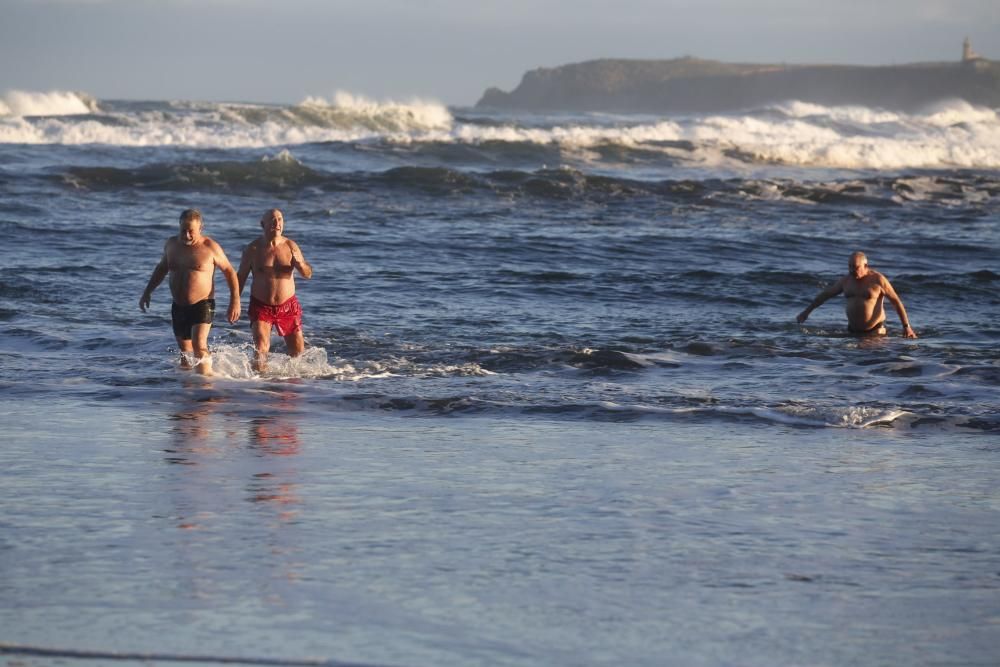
(555, 407)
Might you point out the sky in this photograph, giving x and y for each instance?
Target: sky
(443, 50)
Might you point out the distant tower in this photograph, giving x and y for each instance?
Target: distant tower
(967, 52)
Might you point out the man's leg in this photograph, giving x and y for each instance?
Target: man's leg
(262, 343)
(184, 345)
(199, 339)
(295, 343)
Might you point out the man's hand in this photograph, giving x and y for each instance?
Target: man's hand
(908, 332)
(144, 301)
(234, 311)
(802, 316)
(299, 263)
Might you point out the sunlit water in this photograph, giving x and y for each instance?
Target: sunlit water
(555, 408)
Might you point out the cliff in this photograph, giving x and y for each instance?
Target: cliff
(694, 85)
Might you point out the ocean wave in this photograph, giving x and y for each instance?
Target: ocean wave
(853, 114)
(276, 173)
(942, 114)
(285, 172)
(158, 129)
(953, 134)
(345, 118)
(949, 135)
(226, 126)
(605, 410)
(21, 103)
(348, 110)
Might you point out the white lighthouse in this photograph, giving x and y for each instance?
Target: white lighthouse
(968, 54)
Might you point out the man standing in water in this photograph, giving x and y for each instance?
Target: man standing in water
(272, 258)
(865, 290)
(191, 260)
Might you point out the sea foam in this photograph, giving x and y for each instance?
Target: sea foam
(236, 363)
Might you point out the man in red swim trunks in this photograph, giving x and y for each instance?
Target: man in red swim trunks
(272, 259)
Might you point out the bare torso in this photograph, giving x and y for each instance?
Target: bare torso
(271, 265)
(865, 291)
(192, 269)
(864, 297)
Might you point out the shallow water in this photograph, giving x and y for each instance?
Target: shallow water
(555, 407)
(254, 526)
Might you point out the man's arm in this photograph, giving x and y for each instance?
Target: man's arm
(222, 262)
(897, 303)
(159, 273)
(830, 292)
(246, 264)
(299, 262)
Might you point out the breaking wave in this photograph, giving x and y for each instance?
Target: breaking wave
(348, 110)
(35, 118)
(949, 135)
(55, 103)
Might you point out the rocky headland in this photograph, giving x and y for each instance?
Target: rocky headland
(687, 85)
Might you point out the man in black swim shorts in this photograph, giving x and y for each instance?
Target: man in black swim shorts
(184, 318)
(191, 260)
(865, 289)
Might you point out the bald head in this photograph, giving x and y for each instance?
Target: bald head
(857, 266)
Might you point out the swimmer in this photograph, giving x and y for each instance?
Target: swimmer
(190, 258)
(865, 289)
(273, 258)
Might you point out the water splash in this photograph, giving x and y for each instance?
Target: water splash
(236, 363)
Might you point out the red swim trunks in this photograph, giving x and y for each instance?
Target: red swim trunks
(286, 317)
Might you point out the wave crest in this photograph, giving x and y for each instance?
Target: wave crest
(958, 112)
(349, 110)
(53, 103)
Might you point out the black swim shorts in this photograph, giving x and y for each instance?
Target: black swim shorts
(185, 317)
(877, 330)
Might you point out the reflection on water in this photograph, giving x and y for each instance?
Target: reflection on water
(191, 428)
(276, 434)
(193, 443)
(233, 484)
(206, 427)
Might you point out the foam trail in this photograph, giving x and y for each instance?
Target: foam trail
(236, 363)
(849, 417)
